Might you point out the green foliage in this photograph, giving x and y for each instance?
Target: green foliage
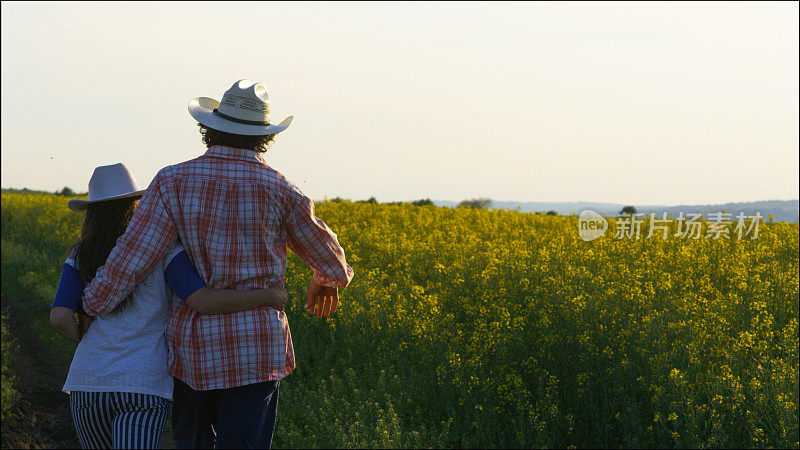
(7, 380)
(477, 203)
(490, 328)
(422, 202)
(37, 231)
(627, 210)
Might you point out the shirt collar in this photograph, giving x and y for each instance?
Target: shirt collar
(241, 154)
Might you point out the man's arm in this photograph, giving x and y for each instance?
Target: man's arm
(148, 237)
(317, 245)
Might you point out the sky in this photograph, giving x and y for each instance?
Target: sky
(635, 103)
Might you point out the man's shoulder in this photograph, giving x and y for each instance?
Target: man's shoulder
(262, 174)
(178, 168)
(171, 171)
(286, 184)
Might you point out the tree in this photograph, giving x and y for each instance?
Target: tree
(66, 192)
(627, 210)
(370, 200)
(477, 203)
(552, 213)
(423, 202)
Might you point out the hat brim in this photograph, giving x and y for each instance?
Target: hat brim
(202, 109)
(79, 205)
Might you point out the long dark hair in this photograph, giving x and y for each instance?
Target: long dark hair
(104, 223)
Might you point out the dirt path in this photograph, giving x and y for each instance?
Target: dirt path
(41, 416)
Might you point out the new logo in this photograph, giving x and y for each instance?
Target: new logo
(591, 225)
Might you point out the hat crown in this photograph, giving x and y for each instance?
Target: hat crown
(246, 100)
(111, 181)
(243, 110)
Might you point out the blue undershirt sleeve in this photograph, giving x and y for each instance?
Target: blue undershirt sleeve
(182, 276)
(70, 289)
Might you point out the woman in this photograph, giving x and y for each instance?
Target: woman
(119, 387)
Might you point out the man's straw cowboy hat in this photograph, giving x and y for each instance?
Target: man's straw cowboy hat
(108, 183)
(244, 110)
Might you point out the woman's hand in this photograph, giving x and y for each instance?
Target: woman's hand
(277, 297)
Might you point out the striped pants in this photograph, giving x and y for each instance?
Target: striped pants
(119, 419)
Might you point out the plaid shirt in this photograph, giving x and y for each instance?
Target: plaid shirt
(235, 215)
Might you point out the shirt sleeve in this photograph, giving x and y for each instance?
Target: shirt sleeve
(316, 244)
(148, 237)
(182, 276)
(70, 289)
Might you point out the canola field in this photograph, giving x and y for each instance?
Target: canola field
(493, 328)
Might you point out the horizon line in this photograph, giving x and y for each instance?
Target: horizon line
(329, 197)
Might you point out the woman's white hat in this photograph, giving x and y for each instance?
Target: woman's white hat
(244, 110)
(108, 183)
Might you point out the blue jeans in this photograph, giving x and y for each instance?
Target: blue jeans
(240, 417)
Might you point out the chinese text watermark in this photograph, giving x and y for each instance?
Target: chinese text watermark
(592, 225)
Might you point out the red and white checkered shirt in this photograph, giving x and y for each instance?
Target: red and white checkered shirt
(235, 215)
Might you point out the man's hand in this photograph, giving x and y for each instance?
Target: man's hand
(64, 320)
(83, 324)
(325, 299)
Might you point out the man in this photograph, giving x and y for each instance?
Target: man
(235, 215)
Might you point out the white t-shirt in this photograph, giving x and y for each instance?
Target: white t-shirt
(126, 351)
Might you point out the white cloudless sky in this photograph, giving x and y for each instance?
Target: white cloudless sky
(645, 103)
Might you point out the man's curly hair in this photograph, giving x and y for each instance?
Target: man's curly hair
(215, 137)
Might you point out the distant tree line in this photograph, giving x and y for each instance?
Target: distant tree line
(374, 201)
(421, 202)
(65, 192)
(476, 203)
